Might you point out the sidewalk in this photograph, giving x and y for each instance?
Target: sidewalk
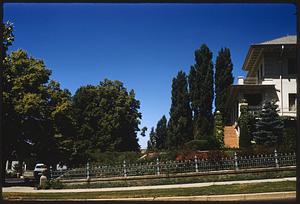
(32, 190)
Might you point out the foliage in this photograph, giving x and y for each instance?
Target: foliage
(105, 158)
(223, 80)
(12, 174)
(7, 36)
(152, 140)
(107, 117)
(218, 129)
(246, 122)
(18, 168)
(207, 144)
(158, 137)
(197, 145)
(28, 107)
(161, 133)
(201, 92)
(44, 123)
(255, 150)
(269, 127)
(289, 140)
(52, 184)
(179, 126)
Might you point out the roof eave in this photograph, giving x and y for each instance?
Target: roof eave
(261, 46)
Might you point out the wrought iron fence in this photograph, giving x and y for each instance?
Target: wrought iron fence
(178, 167)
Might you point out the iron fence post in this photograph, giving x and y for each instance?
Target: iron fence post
(196, 163)
(236, 162)
(124, 168)
(88, 171)
(276, 158)
(157, 166)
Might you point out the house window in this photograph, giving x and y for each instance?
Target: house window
(292, 102)
(292, 66)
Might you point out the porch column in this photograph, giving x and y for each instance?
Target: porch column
(6, 167)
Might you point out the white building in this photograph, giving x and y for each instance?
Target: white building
(271, 75)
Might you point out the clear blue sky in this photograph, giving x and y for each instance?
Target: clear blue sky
(142, 45)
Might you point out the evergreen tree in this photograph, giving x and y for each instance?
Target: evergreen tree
(246, 122)
(218, 129)
(201, 92)
(152, 140)
(161, 133)
(180, 123)
(223, 80)
(269, 127)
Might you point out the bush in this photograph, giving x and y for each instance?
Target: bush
(197, 145)
(256, 150)
(114, 157)
(207, 144)
(12, 174)
(289, 138)
(52, 184)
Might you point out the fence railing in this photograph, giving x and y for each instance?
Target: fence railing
(174, 167)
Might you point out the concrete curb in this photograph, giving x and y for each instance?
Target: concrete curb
(273, 196)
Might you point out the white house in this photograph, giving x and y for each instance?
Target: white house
(271, 74)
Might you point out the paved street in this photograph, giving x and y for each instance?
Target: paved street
(32, 190)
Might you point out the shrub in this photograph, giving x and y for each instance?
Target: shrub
(197, 145)
(52, 184)
(114, 157)
(12, 174)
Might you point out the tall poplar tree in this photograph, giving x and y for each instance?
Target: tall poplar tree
(151, 145)
(179, 126)
(223, 80)
(201, 92)
(161, 133)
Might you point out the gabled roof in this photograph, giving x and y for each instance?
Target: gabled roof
(256, 50)
(289, 39)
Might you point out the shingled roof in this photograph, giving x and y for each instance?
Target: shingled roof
(289, 39)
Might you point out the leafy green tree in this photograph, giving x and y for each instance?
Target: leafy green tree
(201, 92)
(107, 117)
(246, 123)
(65, 131)
(7, 37)
(7, 40)
(179, 126)
(269, 126)
(161, 133)
(33, 108)
(30, 105)
(223, 80)
(218, 129)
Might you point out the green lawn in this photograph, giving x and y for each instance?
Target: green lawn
(182, 180)
(210, 190)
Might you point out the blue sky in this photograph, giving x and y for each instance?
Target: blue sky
(142, 45)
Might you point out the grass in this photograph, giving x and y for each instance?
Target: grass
(210, 190)
(182, 180)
